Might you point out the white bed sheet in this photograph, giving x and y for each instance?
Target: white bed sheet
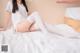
(63, 30)
(37, 42)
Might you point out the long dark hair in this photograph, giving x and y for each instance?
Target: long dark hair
(15, 5)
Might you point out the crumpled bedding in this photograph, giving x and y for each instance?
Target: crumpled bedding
(63, 30)
(58, 40)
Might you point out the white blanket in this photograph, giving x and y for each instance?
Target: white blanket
(63, 30)
(37, 42)
(63, 39)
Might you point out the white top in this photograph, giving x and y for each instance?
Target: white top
(19, 16)
(73, 12)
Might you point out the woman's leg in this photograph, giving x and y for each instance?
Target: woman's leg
(39, 22)
(23, 26)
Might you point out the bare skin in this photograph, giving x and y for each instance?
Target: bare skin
(24, 26)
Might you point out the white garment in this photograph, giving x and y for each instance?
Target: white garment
(38, 41)
(73, 12)
(21, 15)
(16, 40)
(17, 17)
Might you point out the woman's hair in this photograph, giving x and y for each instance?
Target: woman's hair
(15, 5)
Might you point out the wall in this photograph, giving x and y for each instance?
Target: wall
(50, 11)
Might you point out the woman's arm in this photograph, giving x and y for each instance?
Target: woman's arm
(6, 21)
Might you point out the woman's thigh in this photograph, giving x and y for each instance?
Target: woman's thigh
(23, 26)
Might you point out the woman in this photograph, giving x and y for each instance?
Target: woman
(18, 9)
(17, 21)
(16, 32)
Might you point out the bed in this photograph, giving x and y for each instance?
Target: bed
(61, 39)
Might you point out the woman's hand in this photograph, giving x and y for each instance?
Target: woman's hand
(2, 29)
